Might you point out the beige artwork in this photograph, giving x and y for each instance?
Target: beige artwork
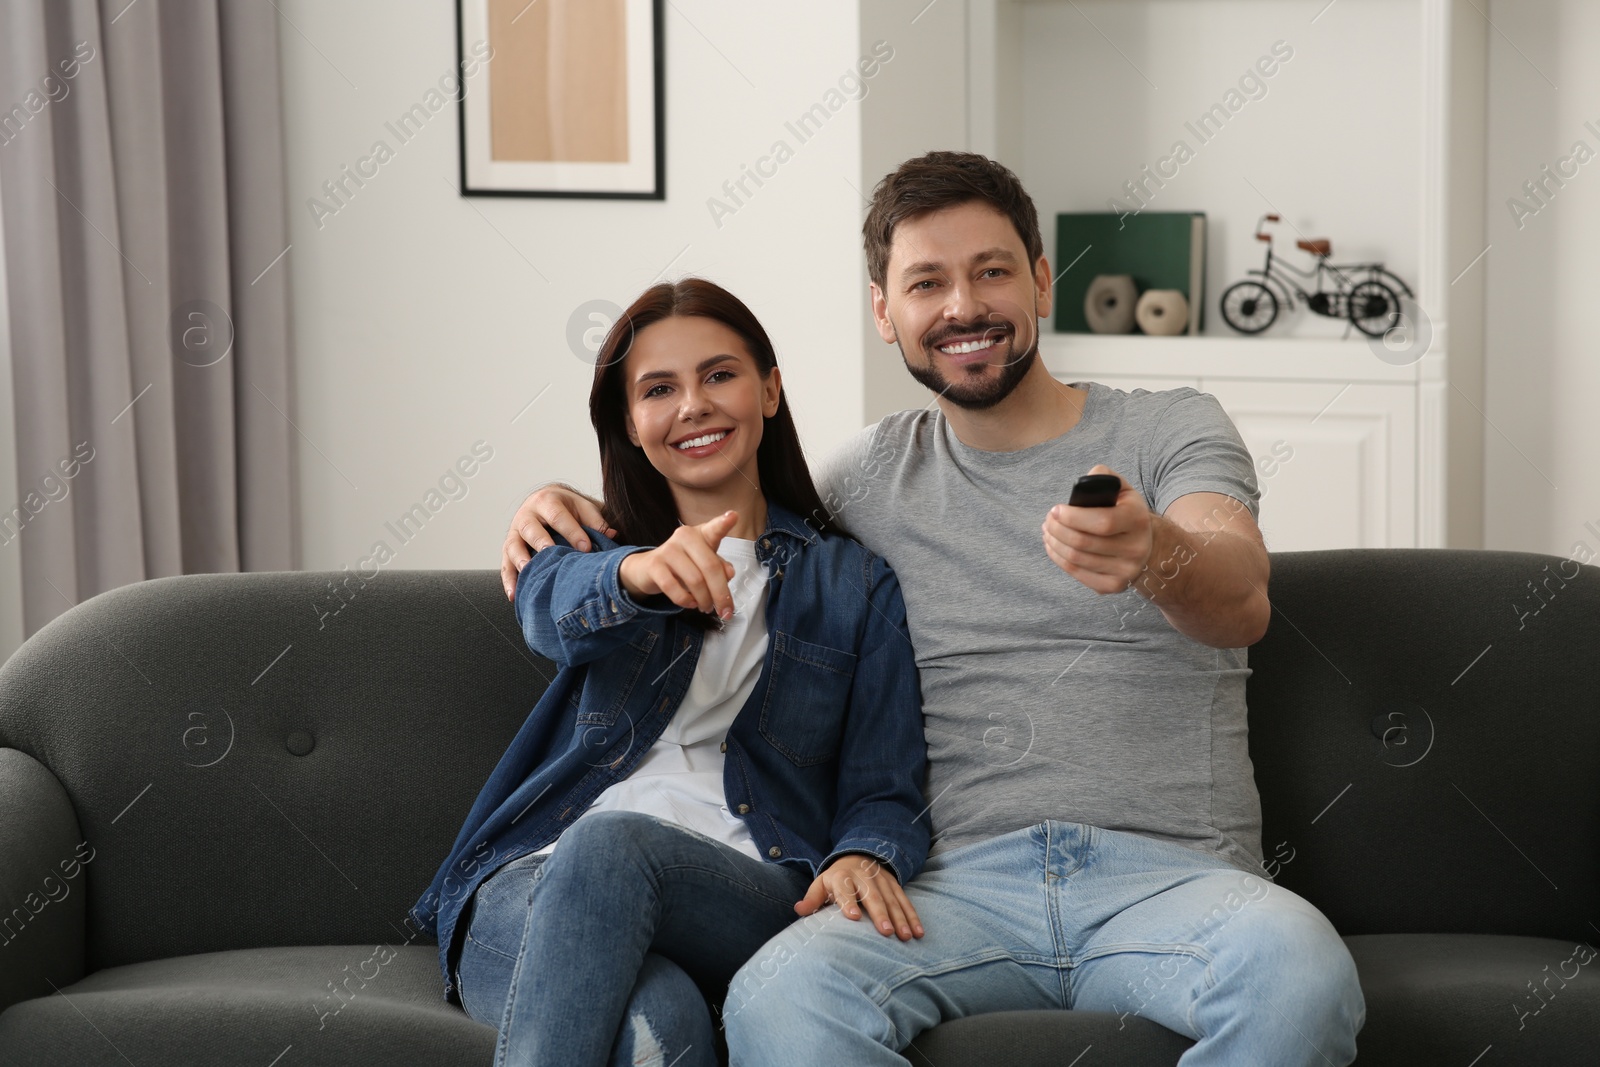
(558, 83)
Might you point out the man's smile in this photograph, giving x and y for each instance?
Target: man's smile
(970, 347)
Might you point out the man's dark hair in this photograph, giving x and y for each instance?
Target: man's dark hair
(940, 180)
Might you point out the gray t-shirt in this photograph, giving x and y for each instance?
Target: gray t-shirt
(1043, 699)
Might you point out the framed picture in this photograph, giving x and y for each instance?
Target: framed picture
(568, 101)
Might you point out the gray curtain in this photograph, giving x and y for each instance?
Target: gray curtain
(142, 181)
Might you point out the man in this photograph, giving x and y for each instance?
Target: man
(1096, 822)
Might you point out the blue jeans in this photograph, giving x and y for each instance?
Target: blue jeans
(606, 951)
(1061, 915)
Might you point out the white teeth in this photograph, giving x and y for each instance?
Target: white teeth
(968, 346)
(703, 439)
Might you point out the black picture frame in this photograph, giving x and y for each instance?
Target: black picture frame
(658, 108)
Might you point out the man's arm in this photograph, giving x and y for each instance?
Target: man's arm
(1208, 571)
(1203, 563)
(555, 507)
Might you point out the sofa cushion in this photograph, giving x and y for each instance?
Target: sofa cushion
(251, 1006)
(1447, 998)
(253, 732)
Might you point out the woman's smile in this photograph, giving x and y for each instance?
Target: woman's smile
(704, 443)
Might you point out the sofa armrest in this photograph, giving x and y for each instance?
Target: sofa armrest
(42, 855)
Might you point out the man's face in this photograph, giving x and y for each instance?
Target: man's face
(963, 302)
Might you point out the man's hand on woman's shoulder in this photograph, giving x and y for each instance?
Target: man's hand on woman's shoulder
(555, 507)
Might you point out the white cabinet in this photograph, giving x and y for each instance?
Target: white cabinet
(1336, 463)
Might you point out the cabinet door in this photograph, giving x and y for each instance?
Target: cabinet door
(1336, 463)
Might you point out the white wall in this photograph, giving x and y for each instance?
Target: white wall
(1542, 374)
(422, 321)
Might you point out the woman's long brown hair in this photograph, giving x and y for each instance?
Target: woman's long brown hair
(638, 498)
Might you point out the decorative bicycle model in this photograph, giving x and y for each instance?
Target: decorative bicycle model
(1372, 303)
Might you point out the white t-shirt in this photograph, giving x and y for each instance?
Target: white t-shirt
(680, 778)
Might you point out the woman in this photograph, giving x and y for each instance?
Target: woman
(734, 737)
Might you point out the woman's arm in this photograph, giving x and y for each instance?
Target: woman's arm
(572, 606)
(575, 606)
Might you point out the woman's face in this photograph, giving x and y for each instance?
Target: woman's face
(696, 401)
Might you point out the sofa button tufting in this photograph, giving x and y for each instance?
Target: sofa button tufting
(300, 743)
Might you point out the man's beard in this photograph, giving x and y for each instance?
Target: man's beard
(984, 394)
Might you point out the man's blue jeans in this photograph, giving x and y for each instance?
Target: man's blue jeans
(604, 952)
(1061, 915)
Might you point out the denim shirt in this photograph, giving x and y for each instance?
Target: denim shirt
(826, 757)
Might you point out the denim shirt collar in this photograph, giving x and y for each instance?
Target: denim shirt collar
(780, 520)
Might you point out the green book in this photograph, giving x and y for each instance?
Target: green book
(1161, 249)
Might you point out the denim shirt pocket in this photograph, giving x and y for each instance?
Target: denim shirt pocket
(807, 696)
(609, 685)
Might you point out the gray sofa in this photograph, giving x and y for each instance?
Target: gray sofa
(219, 796)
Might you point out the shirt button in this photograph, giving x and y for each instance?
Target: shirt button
(724, 746)
(766, 542)
(584, 621)
(774, 851)
(613, 607)
(744, 809)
